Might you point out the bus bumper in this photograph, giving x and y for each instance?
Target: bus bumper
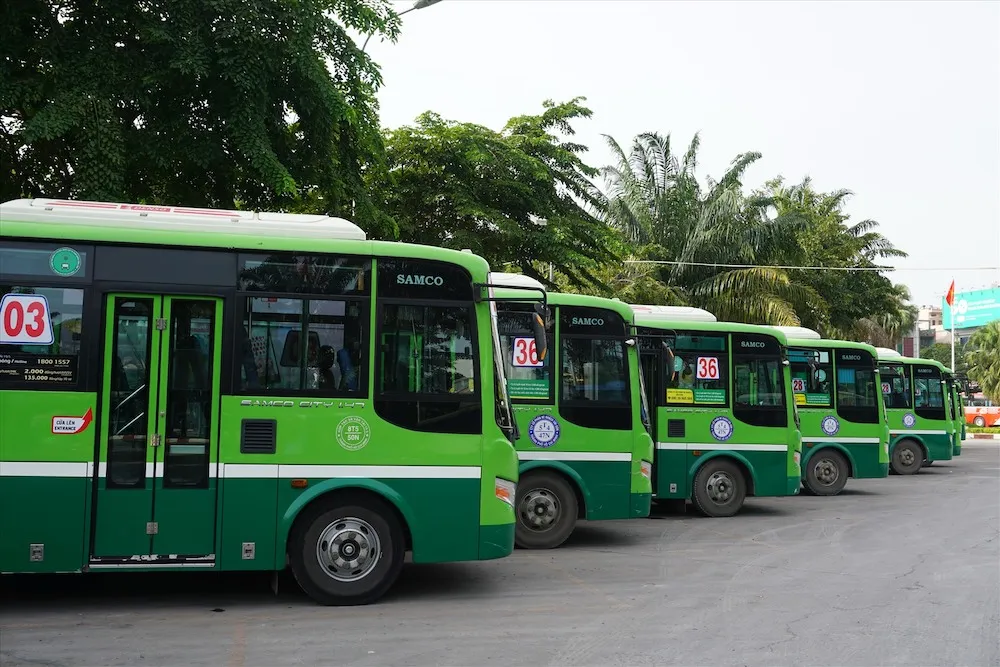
(641, 503)
(496, 541)
(793, 485)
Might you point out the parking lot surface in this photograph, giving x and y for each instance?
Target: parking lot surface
(900, 571)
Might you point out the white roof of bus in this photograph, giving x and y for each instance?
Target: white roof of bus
(514, 280)
(675, 313)
(887, 353)
(179, 218)
(800, 333)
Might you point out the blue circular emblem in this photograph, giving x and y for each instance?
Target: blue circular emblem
(909, 420)
(722, 429)
(543, 431)
(830, 425)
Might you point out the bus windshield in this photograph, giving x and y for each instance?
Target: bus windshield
(504, 411)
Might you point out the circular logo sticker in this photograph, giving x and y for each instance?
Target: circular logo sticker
(65, 262)
(722, 428)
(909, 420)
(543, 431)
(830, 425)
(353, 433)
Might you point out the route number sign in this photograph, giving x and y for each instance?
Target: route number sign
(526, 353)
(707, 368)
(25, 320)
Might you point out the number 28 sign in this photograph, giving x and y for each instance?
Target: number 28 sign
(525, 353)
(707, 368)
(25, 320)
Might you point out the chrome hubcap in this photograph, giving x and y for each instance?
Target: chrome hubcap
(720, 487)
(826, 472)
(348, 549)
(539, 509)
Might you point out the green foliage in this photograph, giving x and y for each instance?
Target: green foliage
(520, 197)
(983, 358)
(217, 103)
(941, 352)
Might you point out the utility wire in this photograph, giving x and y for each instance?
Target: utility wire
(811, 268)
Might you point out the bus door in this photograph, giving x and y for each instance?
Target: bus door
(155, 479)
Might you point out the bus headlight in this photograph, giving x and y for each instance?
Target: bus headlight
(798, 459)
(646, 468)
(505, 490)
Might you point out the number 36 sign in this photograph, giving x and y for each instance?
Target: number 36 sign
(525, 354)
(25, 320)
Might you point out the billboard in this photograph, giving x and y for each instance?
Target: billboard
(972, 309)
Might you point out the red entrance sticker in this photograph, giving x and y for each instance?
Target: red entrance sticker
(72, 425)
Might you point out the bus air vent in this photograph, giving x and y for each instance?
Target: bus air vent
(676, 428)
(258, 436)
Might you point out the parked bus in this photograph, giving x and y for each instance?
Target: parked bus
(837, 391)
(224, 390)
(920, 429)
(585, 450)
(955, 411)
(722, 415)
(982, 412)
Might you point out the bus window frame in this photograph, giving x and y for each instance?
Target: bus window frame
(851, 413)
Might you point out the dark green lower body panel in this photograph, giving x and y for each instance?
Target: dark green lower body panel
(866, 461)
(675, 469)
(605, 486)
(49, 513)
(641, 504)
(496, 541)
(939, 448)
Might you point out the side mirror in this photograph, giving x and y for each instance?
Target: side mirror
(670, 359)
(538, 330)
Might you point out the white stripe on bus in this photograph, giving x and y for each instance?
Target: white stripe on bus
(574, 456)
(917, 432)
(846, 441)
(260, 471)
(682, 446)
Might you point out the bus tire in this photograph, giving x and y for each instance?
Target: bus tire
(826, 473)
(979, 421)
(719, 488)
(546, 510)
(907, 458)
(327, 536)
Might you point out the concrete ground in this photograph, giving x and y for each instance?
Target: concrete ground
(902, 571)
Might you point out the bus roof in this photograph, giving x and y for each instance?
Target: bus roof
(558, 298)
(137, 224)
(674, 313)
(913, 361)
(831, 343)
(799, 333)
(644, 319)
(887, 353)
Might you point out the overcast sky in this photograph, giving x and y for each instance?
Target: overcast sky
(898, 102)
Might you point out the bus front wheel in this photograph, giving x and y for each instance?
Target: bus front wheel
(907, 458)
(546, 510)
(719, 488)
(347, 551)
(826, 474)
(979, 421)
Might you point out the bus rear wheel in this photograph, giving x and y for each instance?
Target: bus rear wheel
(348, 551)
(907, 458)
(826, 474)
(719, 488)
(546, 510)
(979, 421)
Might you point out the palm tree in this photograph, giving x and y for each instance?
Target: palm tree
(983, 358)
(656, 202)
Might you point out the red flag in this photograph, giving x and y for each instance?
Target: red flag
(950, 298)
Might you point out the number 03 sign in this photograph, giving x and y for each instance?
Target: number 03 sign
(25, 320)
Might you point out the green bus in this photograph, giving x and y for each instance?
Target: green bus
(723, 418)
(585, 448)
(837, 392)
(226, 390)
(957, 411)
(920, 428)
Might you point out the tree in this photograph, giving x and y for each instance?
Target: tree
(983, 358)
(657, 203)
(519, 197)
(853, 302)
(219, 103)
(941, 352)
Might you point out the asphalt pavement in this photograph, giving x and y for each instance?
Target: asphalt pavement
(901, 571)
